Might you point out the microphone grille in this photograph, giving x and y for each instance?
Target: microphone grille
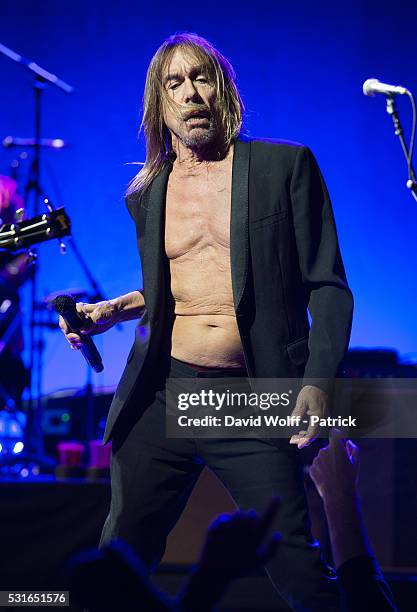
(63, 303)
(367, 87)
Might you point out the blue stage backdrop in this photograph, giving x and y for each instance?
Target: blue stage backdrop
(300, 69)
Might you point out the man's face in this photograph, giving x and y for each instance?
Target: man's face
(188, 85)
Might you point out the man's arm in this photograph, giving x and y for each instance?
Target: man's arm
(330, 299)
(129, 306)
(98, 318)
(335, 472)
(323, 274)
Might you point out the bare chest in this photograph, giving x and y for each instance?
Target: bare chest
(198, 213)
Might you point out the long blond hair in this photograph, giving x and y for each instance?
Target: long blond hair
(229, 104)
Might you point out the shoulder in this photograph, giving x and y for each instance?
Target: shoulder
(136, 203)
(273, 143)
(138, 200)
(274, 147)
(259, 143)
(132, 201)
(267, 152)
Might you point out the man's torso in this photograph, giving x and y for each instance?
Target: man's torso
(197, 244)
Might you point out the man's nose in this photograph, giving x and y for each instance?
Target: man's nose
(190, 92)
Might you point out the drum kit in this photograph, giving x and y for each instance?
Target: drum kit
(21, 440)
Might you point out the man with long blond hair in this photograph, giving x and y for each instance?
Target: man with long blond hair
(237, 241)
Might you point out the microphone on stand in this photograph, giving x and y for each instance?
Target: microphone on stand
(373, 86)
(65, 306)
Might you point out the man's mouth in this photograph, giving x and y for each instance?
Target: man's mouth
(198, 115)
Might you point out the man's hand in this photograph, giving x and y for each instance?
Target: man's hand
(335, 470)
(311, 401)
(238, 543)
(97, 318)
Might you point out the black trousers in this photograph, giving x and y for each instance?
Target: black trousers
(152, 477)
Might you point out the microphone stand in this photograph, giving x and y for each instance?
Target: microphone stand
(398, 130)
(34, 408)
(98, 295)
(33, 431)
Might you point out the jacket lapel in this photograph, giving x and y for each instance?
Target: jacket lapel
(153, 268)
(154, 257)
(239, 223)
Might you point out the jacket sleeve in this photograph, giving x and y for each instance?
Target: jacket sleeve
(323, 275)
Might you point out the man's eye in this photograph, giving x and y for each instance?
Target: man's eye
(201, 80)
(173, 86)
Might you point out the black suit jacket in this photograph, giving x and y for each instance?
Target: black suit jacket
(285, 258)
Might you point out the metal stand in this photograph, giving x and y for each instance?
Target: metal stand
(398, 130)
(33, 432)
(34, 451)
(33, 441)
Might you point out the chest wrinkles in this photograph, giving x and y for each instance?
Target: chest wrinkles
(197, 239)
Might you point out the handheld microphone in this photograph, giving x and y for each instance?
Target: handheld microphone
(66, 307)
(373, 86)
